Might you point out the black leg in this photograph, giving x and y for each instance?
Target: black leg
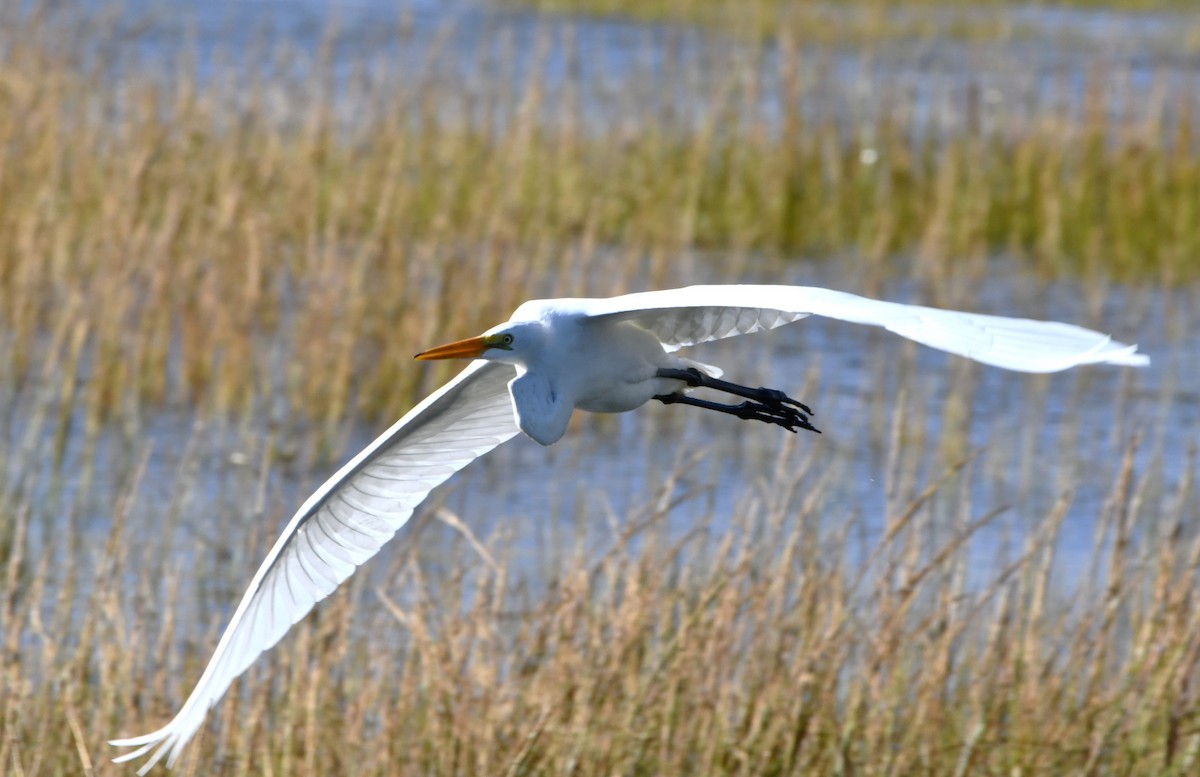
(767, 405)
(767, 396)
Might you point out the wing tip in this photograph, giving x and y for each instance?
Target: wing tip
(1130, 357)
(1109, 351)
(164, 744)
(167, 741)
(143, 742)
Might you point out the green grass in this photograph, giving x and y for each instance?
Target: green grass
(859, 22)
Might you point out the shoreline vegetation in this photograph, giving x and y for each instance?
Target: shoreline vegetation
(254, 251)
(865, 22)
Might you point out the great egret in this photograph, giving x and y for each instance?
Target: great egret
(529, 375)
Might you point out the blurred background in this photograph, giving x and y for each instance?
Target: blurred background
(226, 227)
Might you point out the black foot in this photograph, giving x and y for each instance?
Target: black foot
(769, 405)
(777, 413)
(769, 397)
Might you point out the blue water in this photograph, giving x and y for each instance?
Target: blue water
(1051, 57)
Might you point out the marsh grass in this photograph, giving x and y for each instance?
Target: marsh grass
(790, 637)
(859, 22)
(254, 256)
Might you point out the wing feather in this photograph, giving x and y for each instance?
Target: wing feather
(698, 314)
(340, 526)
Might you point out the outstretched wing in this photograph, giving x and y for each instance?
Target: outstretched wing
(697, 314)
(341, 526)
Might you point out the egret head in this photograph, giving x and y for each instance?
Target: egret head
(505, 343)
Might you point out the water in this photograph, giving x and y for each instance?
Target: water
(1048, 57)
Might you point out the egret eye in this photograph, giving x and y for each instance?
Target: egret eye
(507, 339)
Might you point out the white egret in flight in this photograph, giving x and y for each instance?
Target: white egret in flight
(551, 358)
